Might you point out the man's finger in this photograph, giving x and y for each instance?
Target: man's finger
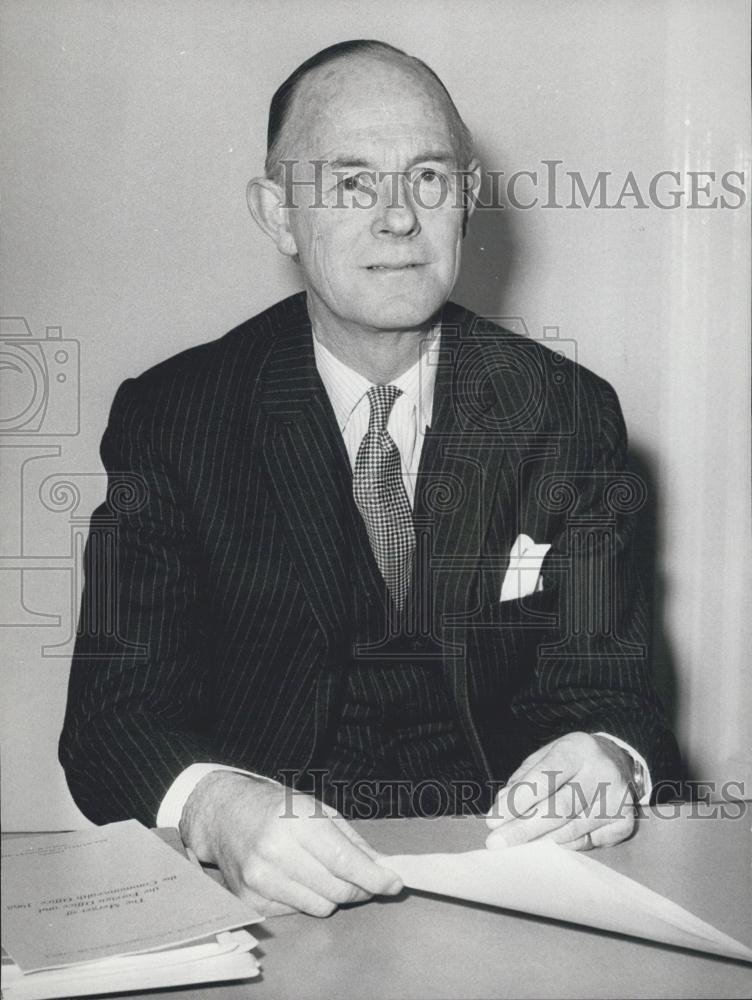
(298, 864)
(616, 832)
(355, 838)
(374, 855)
(580, 829)
(607, 835)
(277, 887)
(593, 829)
(346, 859)
(536, 786)
(266, 907)
(540, 820)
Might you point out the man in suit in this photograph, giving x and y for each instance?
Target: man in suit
(367, 546)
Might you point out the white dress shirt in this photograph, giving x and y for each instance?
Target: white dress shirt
(411, 413)
(408, 422)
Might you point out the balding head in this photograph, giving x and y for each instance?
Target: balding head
(311, 91)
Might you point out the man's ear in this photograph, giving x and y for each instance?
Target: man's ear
(471, 181)
(266, 202)
(473, 185)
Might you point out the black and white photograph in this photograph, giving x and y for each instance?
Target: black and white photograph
(376, 466)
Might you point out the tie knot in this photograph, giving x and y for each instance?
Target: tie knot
(381, 398)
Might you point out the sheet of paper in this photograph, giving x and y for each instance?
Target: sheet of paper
(117, 889)
(549, 881)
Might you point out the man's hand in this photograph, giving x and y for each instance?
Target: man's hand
(576, 791)
(278, 849)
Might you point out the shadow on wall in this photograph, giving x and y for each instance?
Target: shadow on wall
(487, 257)
(487, 266)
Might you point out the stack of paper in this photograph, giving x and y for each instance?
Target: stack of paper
(114, 908)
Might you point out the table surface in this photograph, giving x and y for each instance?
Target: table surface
(417, 945)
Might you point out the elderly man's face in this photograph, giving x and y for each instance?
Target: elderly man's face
(383, 253)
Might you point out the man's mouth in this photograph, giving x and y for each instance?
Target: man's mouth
(392, 267)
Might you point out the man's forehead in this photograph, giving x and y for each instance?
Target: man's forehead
(381, 70)
(361, 101)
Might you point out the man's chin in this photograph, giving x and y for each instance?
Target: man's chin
(388, 316)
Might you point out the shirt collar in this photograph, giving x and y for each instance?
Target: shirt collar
(346, 387)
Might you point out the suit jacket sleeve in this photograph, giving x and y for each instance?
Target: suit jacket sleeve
(592, 671)
(139, 674)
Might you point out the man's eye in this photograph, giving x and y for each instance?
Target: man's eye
(427, 176)
(355, 182)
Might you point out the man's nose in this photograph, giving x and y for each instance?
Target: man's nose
(396, 215)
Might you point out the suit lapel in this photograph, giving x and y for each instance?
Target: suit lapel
(485, 409)
(487, 413)
(459, 476)
(307, 469)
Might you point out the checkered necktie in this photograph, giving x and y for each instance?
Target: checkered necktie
(381, 498)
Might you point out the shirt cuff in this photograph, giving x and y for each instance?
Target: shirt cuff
(647, 784)
(179, 791)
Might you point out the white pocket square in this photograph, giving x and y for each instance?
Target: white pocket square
(523, 577)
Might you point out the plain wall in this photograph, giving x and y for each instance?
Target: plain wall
(131, 129)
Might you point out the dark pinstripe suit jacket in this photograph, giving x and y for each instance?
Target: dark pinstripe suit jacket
(214, 623)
